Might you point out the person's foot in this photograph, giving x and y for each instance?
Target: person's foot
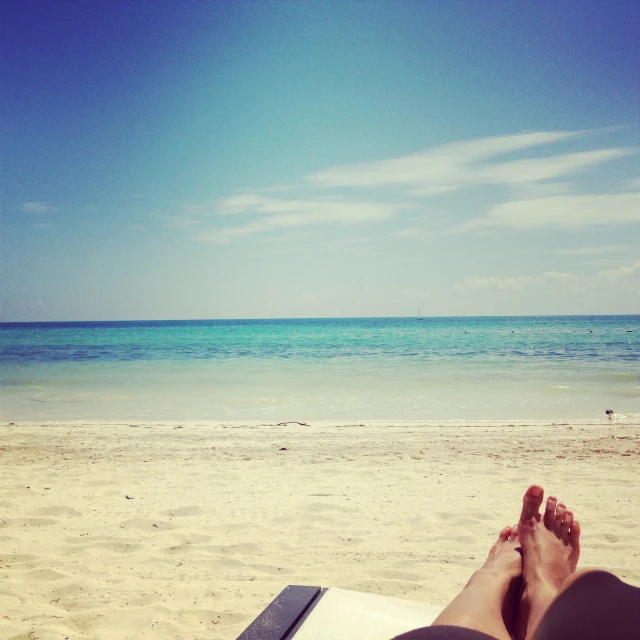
(550, 549)
(490, 599)
(500, 574)
(505, 557)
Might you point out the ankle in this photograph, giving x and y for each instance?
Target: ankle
(490, 578)
(541, 583)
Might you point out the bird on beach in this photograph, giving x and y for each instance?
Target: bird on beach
(609, 412)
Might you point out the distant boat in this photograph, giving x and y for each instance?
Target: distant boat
(418, 318)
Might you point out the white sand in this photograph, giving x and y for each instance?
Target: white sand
(220, 520)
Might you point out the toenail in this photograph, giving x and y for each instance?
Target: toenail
(536, 491)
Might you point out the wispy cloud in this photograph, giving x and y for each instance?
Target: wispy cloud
(300, 212)
(561, 212)
(465, 164)
(443, 168)
(38, 207)
(527, 190)
(537, 192)
(279, 213)
(553, 278)
(612, 275)
(519, 282)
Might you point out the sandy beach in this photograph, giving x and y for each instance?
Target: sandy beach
(187, 530)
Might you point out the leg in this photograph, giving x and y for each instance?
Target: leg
(487, 602)
(444, 633)
(592, 605)
(550, 549)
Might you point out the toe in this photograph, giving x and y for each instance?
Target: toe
(557, 523)
(513, 536)
(574, 544)
(574, 535)
(565, 528)
(505, 533)
(550, 513)
(531, 503)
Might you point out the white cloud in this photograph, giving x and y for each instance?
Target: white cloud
(612, 275)
(435, 170)
(520, 282)
(542, 169)
(282, 213)
(224, 236)
(561, 212)
(242, 203)
(552, 278)
(463, 164)
(38, 207)
(538, 193)
(527, 190)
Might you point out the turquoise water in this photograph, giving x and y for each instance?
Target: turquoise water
(454, 369)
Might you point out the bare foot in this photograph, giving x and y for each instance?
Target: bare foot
(489, 601)
(505, 559)
(550, 549)
(503, 556)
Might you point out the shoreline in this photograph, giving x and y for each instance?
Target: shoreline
(221, 516)
(620, 420)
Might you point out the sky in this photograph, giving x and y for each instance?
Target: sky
(197, 159)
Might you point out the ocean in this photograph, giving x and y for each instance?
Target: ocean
(346, 370)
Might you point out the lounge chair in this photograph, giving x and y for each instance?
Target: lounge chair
(314, 613)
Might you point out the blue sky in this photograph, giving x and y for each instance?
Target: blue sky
(318, 159)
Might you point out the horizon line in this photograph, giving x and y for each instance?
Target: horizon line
(412, 317)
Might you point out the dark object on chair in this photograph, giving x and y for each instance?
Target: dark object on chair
(282, 618)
